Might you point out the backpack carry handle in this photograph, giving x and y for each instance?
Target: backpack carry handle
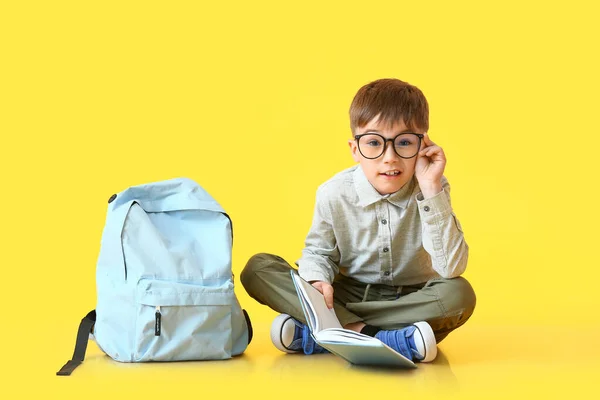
(85, 327)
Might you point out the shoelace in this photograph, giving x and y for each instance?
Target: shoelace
(309, 346)
(402, 341)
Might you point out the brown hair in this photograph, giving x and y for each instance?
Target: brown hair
(394, 101)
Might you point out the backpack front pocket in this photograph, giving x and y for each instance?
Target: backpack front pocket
(183, 321)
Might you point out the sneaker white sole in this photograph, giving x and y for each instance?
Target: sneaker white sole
(282, 329)
(426, 344)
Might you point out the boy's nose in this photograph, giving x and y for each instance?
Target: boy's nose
(389, 154)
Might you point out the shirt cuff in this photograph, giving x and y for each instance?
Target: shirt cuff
(313, 272)
(434, 207)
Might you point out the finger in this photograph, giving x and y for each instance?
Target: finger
(427, 140)
(437, 154)
(318, 285)
(425, 150)
(433, 151)
(328, 294)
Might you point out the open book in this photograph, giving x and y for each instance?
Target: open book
(327, 331)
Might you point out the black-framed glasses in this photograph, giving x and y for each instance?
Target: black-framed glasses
(373, 145)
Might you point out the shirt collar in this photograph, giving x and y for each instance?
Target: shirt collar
(368, 195)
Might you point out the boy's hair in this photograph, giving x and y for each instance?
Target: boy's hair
(394, 101)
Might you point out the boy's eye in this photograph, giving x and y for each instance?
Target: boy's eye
(407, 140)
(370, 140)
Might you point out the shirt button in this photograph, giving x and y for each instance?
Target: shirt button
(112, 198)
(385, 249)
(384, 221)
(387, 273)
(426, 208)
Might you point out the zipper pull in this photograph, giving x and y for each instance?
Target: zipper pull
(157, 317)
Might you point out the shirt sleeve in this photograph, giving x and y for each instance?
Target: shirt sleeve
(442, 234)
(320, 256)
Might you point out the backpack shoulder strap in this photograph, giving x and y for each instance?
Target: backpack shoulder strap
(85, 327)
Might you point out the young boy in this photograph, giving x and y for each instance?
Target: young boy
(384, 248)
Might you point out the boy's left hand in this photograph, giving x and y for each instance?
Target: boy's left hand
(429, 169)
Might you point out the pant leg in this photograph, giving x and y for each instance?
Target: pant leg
(445, 304)
(267, 279)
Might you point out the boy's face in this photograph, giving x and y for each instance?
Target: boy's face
(388, 173)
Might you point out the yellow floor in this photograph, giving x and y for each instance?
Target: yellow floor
(477, 361)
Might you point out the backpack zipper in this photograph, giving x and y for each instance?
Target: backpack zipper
(157, 317)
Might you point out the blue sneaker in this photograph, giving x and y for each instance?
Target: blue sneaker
(415, 342)
(292, 336)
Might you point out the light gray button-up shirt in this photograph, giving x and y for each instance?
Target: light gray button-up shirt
(397, 239)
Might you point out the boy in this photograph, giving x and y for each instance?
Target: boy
(384, 248)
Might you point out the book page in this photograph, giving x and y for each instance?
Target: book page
(334, 335)
(322, 317)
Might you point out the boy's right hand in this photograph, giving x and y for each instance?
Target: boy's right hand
(326, 290)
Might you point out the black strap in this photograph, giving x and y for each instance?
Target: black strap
(249, 324)
(85, 327)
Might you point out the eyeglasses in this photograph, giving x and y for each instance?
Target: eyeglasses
(373, 145)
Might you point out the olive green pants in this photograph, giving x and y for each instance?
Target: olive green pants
(445, 304)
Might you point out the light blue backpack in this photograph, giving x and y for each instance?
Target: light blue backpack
(165, 289)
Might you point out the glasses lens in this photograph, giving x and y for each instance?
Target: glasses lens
(407, 145)
(371, 146)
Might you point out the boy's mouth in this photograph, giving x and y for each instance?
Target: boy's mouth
(391, 174)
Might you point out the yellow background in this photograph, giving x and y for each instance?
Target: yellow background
(250, 99)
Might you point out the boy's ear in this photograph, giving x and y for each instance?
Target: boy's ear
(354, 150)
